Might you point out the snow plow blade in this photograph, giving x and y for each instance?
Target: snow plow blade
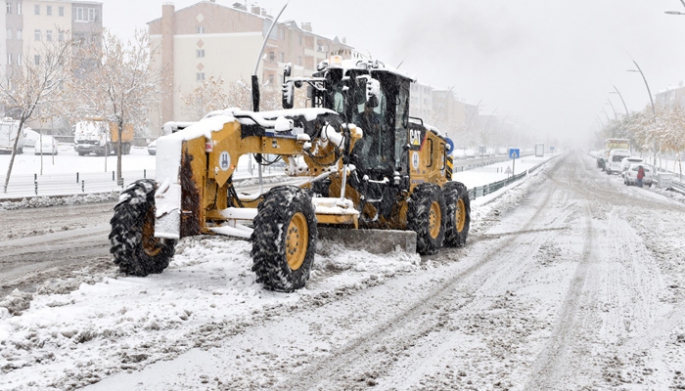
(374, 241)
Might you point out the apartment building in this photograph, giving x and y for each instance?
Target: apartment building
(421, 102)
(28, 24)
(208, 39)
(671, 96)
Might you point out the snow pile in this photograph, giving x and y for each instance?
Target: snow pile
(126, 323)
(42, 202)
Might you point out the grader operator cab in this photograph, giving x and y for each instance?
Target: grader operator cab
(367, 165)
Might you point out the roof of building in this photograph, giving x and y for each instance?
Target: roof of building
(240, 7)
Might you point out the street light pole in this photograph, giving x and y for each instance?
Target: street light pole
(623, 101)
(607, 114)
(650, 99)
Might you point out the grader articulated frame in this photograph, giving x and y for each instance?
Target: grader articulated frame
(365, 162)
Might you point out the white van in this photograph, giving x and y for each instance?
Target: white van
(9, 129)
(626, 162)
(616, 156)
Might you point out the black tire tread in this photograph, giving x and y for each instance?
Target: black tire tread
(126, 235)
(268, 253)
(453, 192)
(418, 217)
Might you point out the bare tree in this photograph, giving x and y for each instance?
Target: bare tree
(120, 82)
(216, 94)
(24, 87)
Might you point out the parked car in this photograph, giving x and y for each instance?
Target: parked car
(152, 148)
(630, 175)
(613, 164)
(9, 129)
(626, 162)
(45, 145)
(31, 137)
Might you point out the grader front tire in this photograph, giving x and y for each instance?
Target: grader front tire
(135, 249)
(284, 239)
(458, 214)
(426, 216)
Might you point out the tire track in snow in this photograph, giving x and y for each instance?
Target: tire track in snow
(352, 358)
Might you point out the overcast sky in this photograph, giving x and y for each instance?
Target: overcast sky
(549, 64)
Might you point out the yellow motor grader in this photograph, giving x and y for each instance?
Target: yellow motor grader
(365, 164)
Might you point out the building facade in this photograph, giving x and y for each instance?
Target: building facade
(671, 96)
(208, 39)
(29, 24)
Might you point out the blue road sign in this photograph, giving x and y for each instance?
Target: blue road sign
(450, 146)
(551, 148)
(514, 153)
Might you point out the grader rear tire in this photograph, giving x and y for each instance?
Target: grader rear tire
(284, 239)
(458, 214)
(426, 217)
(135, 249)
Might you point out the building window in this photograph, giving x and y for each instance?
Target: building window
(48, 10)
(9, 10)
(18, 33)
(200, 76)
(272, 56)
(60, 36)
(36, 10)
(299, 39)
(36, 59)
(271, 79)
(299, 61)
(60, 11)
(200, 29)
(9, 58)
(19, 8)
(200, 53)
(9, 33)
(36, 35)
(282, 57)
(48, 35)
(19, 59)
(84, 14)
(281, 35)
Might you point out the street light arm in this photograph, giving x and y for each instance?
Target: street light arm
(647, 85)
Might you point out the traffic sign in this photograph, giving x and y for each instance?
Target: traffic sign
(450, 145)
(514, 153)
(551, 149)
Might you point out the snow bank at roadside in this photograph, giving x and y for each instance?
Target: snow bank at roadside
(42, 202)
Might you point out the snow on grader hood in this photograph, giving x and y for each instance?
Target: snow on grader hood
(364, 163)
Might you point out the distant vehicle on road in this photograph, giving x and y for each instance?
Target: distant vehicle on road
(613, 164)
(31, 137)
(626, 162)
(470, 153)
(45, 145)
(101, 137)
(9, 129)
(152, 148)
(630, 175)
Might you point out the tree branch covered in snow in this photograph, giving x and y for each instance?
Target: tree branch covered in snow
(25, 87)
(120, 84)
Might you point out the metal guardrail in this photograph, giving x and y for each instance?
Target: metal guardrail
(480, 191)
(70, 184)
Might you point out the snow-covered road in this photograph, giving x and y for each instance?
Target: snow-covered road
(569, 281)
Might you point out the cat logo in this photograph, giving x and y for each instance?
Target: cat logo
(415, 137)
